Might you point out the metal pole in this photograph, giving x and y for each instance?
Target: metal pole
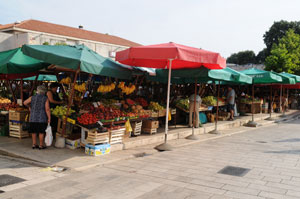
(216, 124)
(271, 104)
(252, 123)
(280, 101)
(21, 94)
(165, 146)
(252, 105)
(168, 102)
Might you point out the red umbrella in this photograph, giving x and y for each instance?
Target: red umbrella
(171, 56)
(158, 56)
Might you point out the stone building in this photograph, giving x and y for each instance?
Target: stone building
(38, 32)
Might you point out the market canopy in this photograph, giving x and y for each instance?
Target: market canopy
(204, 75)
(262, 76)
(240, 77)
(15, 62)
(72, 57)
(42, 78)
(158, 56)
(296, 77)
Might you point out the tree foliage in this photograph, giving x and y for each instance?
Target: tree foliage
(261, 56)
(277, 31)
(242, 57)
(285, 56)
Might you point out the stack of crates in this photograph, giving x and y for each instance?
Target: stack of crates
(16, 119)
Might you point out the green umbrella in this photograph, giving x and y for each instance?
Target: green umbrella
(42, 78)
(296, 77)
(185, 76)
(263, 77)
(72, 57)
(204, 75)
(240, 77)
(15, 62)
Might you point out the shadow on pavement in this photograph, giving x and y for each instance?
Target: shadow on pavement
(289, 140)
(285, 152)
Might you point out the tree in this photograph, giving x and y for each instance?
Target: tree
(277, 31)
(285, 56)
(261, 56)
(242, 57)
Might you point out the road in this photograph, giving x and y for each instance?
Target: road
(267, 160)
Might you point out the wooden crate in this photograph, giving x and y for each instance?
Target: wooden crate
(116, 136)
(173, 111)
(148, 113)
(17, 115)
(162, 113)
(136, 128)
(149, 130)
(152, 124)
(94, 137)
(154, 114)
(15, 130)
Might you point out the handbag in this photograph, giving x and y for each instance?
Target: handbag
(26, 124)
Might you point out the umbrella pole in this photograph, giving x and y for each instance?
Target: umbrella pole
(21, 94)
(252, 123)
(193, 137)
(287, 100)
(271, 104)
(280, 100)
(165, 146)
(70, 102)
(217, 114)
(34, 84)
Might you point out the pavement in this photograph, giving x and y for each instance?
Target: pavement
(78, 160)
(267, 159)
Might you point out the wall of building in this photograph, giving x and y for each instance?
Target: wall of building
(101, 48)
(11, 41)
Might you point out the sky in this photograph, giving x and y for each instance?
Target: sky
(224, 26)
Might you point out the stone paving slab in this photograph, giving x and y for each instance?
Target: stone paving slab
(77, 160)
(191, 171)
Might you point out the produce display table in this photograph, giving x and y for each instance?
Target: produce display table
(245, 107)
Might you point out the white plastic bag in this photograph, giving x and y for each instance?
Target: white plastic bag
(49, 136)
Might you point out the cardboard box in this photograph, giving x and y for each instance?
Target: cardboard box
(17, 115)
(97, 150)
(73, 144)
(150, 124)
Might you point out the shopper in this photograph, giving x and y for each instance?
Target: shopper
(54, 101)
(40, 116)
(197, 104)
(230, 100)
(53, 95)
